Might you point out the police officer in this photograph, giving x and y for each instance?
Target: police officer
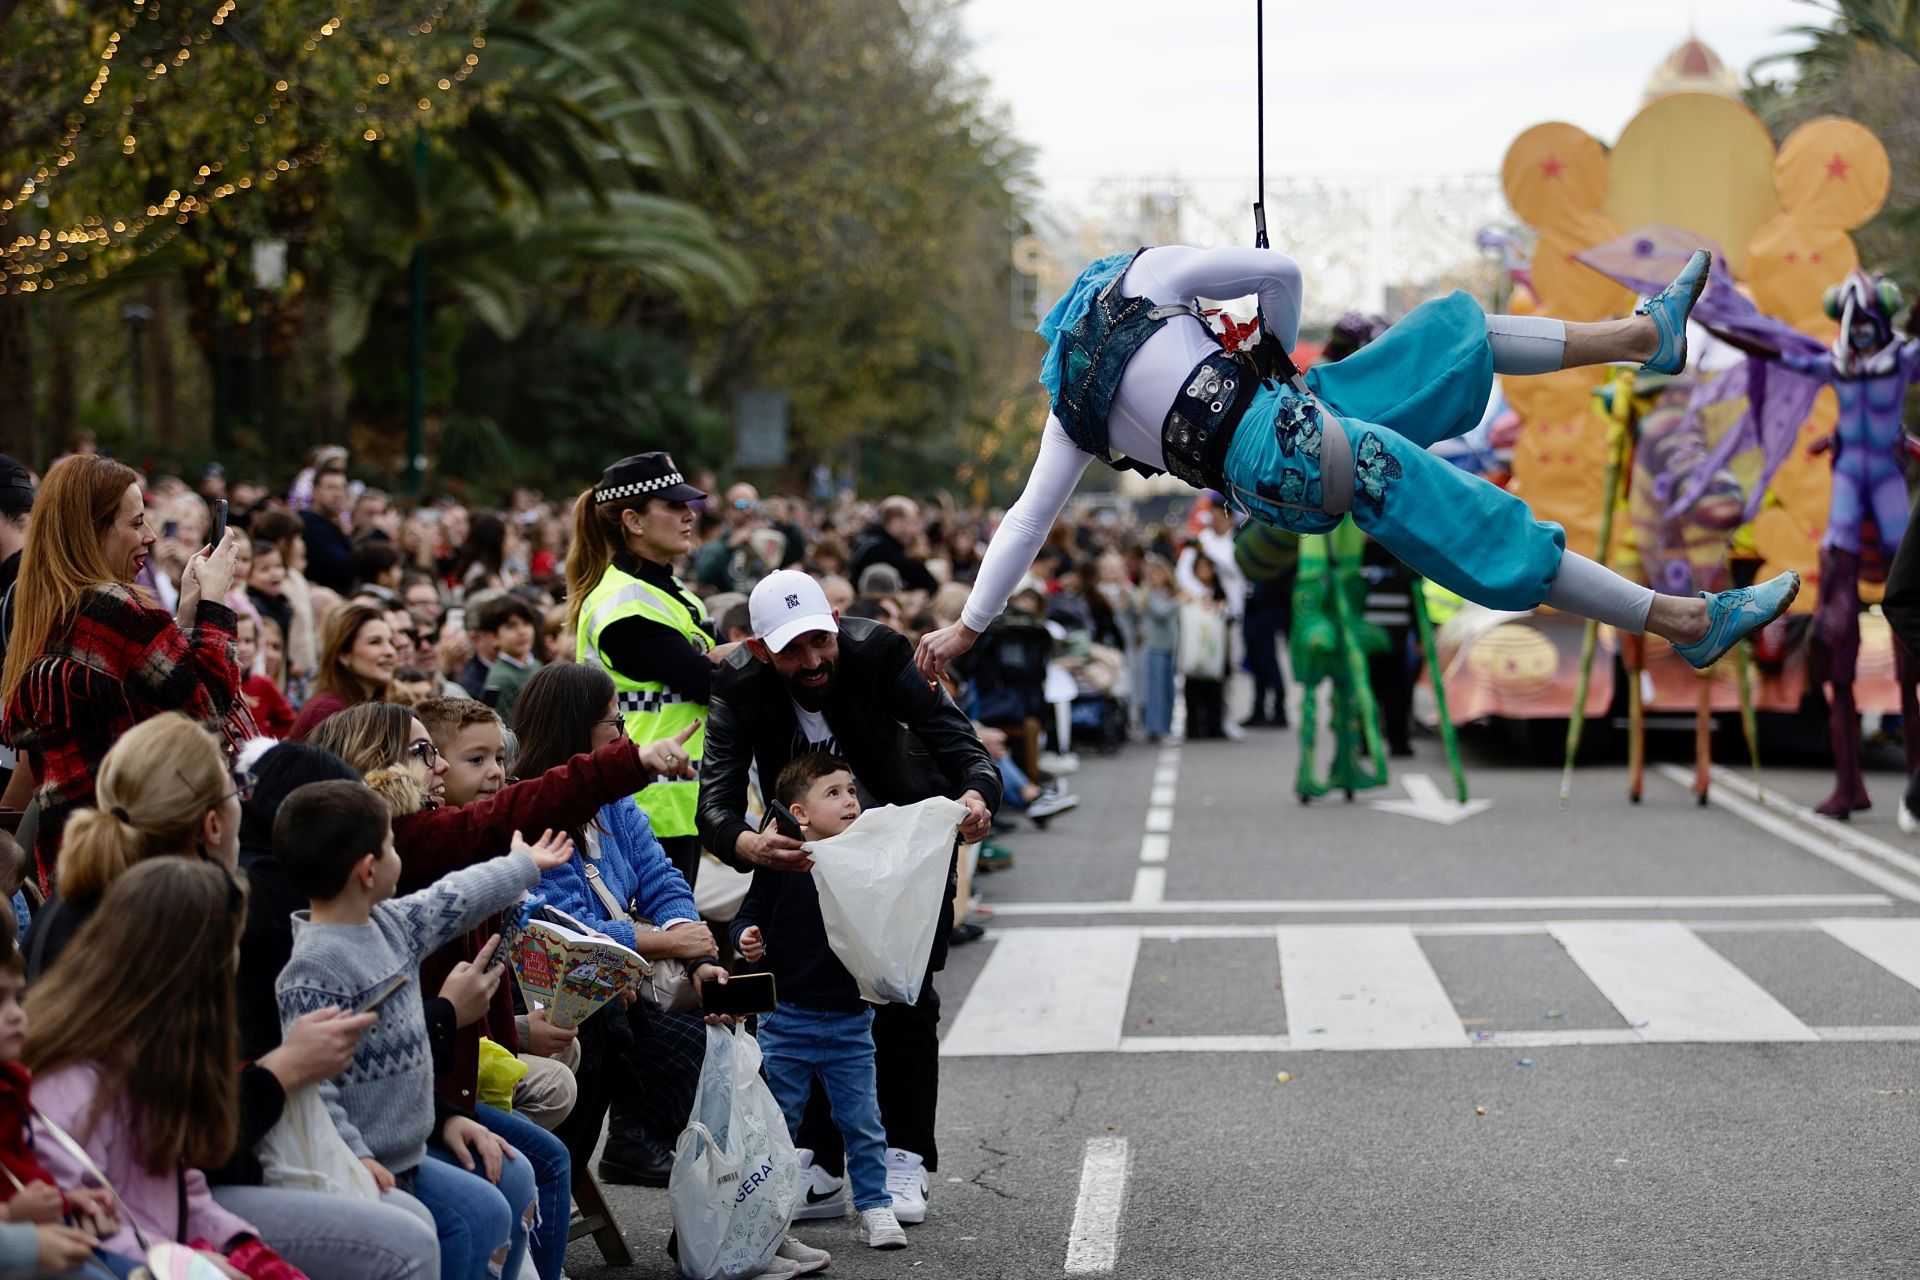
(643, 626)
(640, 624)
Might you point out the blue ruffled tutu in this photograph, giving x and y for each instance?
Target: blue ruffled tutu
(1066, 313)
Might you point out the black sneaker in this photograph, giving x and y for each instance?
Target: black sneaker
(964, 932)
(645, 1165)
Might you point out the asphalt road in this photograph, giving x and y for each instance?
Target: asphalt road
(1605, 1040)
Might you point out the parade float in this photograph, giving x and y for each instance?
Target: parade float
(1693, 168)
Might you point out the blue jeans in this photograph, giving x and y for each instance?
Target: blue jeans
(477, 1220)
(795, 1045)
(1156, 714)
(1012, 779)
(553, 1175)
(336, 1235)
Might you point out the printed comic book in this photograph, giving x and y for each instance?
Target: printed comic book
(568, 969)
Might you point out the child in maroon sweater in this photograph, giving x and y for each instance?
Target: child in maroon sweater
(271, 710)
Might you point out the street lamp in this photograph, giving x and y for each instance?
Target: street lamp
(136, 317)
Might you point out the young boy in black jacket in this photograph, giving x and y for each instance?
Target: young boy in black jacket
(822, 1025)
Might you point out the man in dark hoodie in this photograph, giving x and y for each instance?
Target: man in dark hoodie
(886, 541)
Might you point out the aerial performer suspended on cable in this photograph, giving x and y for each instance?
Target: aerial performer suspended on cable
(1139, 381)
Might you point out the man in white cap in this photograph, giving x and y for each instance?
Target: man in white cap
(809, 681)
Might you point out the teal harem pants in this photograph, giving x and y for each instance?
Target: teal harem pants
(1425, 380)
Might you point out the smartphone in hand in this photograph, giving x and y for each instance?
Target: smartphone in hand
(219, 523)
(779, 820)
(741, 994)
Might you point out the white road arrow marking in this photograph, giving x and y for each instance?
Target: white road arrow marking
(1425, 802)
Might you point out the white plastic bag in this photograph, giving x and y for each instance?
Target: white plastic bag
(1203, 642)
(304, 1152)
(881, 883)
(735, 1177)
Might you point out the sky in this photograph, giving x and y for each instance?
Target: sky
(1164, 89)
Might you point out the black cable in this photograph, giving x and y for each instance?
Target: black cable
(1260, 122)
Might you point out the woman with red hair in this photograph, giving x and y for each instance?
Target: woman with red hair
(91, 655)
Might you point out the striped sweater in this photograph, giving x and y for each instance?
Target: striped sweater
(383, 1103)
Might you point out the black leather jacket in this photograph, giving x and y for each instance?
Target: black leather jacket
(905, 740)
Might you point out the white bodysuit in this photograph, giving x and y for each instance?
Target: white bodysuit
(1167, 275)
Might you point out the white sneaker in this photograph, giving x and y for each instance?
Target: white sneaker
(879, 1228)
(1051, 805)
(908, 1184)
(821, 1194)
(1058, 762)
(1908, 822)
(780, 1269)
(805, 1256)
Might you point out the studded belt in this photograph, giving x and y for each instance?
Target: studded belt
(1200, 425)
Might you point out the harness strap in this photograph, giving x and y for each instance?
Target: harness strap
(1336, 467)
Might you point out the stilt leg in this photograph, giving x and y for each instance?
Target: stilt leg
(1703, 738)
(1634, 654)
(1449, 739)
(1849, 786)
(1749, 723)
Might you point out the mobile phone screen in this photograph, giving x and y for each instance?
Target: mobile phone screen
(743, 993)
(781, 821)
(219, 522)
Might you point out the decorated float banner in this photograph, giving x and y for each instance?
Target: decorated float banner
(1519, 666)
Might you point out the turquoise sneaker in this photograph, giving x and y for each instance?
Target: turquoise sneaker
(1733, 614)
(1670, 308)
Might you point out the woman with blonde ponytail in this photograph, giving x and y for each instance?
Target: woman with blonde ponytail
(165, 791)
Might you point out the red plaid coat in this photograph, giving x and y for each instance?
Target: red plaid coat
(122, 660)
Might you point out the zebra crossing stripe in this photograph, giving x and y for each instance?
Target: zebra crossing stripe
(1364, 987)
(1638, 965)
(1048, 991)
(1894, 945)
(1370, 987)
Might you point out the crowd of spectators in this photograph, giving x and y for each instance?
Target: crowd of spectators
(363, 710)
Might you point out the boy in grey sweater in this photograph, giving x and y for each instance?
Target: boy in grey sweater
(334, 841)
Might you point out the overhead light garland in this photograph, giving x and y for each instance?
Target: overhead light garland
(260, 95)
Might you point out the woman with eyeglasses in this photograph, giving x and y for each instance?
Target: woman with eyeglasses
(357, 662)
(391, 749)
(563, 711)
(91, 654)
(165, 790)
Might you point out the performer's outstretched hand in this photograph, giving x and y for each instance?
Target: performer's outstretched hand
(938, 648)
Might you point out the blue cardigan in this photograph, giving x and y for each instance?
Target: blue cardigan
(633, 866)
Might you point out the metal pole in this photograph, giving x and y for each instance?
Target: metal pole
(136, 317)
(417, 353)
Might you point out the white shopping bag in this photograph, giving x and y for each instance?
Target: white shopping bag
(1203, 642)
(881, 883)
(735, 1177)
(304, 1152)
